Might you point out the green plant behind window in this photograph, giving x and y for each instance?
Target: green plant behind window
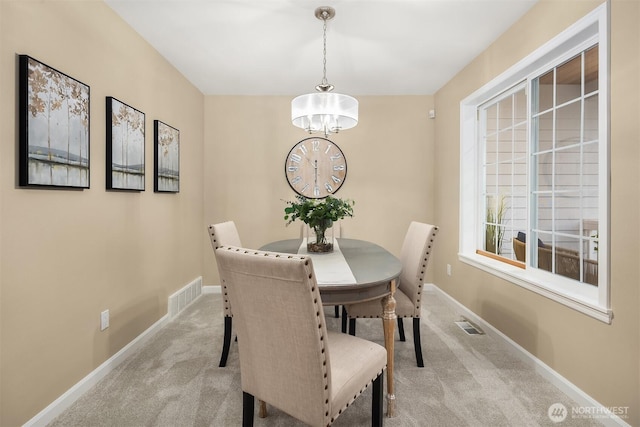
(494, 231)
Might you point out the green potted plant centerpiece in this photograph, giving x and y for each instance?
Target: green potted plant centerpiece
(319, 215)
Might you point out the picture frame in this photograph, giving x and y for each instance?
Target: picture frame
(166, 147)
(125, 156)
(53, 122)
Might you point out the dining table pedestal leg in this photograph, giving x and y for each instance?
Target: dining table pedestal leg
(389, 323)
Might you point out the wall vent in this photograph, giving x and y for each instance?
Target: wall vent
(185, 296)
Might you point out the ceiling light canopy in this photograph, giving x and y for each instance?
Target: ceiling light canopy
(323, 110)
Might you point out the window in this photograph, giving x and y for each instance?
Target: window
(502, 126)
(564, 168)
(534, 171)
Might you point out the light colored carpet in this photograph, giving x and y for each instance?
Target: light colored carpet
(175, 379)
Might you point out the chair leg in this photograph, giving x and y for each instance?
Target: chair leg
(401, 329)
(377, 402)
(352, 326)
(416, 342)
(337, 309)
(247, 409)
(227, 341)
(345, 318)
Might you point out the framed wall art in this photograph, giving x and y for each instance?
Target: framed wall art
(53, 127)
(166, 158)
(125, 146)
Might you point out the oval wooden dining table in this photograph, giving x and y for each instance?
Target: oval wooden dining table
(375, 272)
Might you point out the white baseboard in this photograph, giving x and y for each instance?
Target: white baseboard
(212, 289)
(181, 299)
(564, 385)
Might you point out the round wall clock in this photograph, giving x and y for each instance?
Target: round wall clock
(315, 168)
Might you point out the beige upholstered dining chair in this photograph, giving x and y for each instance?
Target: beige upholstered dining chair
(225, 234)
(414, 255)
(287, 357)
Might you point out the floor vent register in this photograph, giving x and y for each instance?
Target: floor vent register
(469, 327)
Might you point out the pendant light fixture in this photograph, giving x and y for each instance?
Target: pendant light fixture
(323, 110)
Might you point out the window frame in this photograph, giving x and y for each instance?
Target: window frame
(592, 301)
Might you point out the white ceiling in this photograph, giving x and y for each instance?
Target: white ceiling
(274, 47)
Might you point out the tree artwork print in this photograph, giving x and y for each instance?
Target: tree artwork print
(125, 146)
(54, 127)
(167, 158)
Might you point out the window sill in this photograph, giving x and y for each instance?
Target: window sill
(579, 297)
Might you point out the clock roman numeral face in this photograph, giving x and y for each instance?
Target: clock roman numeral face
(315, 168)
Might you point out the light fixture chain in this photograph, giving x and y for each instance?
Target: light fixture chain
(324, 50)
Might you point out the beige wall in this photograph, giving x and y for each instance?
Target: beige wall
(390, 159)
(67, 255)
(603, 360)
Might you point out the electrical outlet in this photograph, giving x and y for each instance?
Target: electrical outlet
(104, 320)
(448, 269)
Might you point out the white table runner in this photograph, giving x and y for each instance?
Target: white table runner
(331, 268)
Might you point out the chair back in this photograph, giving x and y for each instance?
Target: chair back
(414, 255)
(224, 234)
(282, 336)
(520, 249)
